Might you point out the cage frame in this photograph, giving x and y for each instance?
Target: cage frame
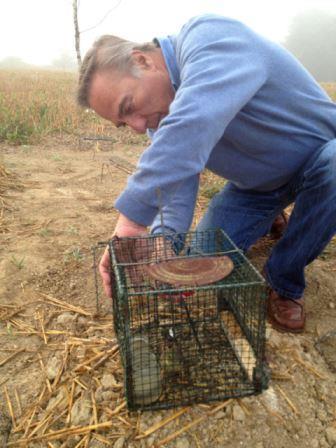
(122, 324)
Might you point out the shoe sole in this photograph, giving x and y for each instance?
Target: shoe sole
(281, 329)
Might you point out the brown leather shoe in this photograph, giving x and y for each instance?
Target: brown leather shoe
(279, 226)
(286, 314)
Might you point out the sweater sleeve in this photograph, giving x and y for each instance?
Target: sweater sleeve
(221, 69)
(178, 213)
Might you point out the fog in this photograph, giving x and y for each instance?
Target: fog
(41, 31)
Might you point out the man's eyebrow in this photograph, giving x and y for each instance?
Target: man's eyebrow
(122, 106)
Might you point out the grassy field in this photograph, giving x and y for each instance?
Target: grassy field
(330, 88)
(35, 104)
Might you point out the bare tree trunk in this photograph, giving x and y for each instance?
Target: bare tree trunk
(77, 33)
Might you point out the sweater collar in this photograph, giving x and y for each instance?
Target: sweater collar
(168, 51)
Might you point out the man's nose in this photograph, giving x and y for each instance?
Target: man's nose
(137, 123)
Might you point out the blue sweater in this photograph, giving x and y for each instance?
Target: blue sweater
(244, 108)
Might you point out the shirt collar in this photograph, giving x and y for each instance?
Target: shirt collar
(168, 51)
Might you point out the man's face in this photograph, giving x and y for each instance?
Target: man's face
(138, 102)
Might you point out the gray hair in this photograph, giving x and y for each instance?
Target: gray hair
(108, 52)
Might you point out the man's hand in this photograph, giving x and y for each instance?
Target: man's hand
(124, 228)
(104, 270)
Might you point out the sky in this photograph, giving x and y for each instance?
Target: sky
(39, 31)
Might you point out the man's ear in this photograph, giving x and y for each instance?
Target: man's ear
(143, 60)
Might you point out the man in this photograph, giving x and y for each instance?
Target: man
(218, 95)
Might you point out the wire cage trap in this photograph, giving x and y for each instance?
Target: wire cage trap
(189, 315)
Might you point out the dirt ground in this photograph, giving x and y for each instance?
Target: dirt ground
(59, 362)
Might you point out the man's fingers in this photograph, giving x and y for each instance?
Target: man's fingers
(107, 284)
(130, 250)
(105, 273)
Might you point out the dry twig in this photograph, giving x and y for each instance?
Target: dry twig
(291, 405)
(65, 305)
(192, 424)
(62, 433)
(4, 361)
(162, 423)
(308, 366)
(10, 407)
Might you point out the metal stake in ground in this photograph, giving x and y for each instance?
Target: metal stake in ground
(190, 320)
(159, 196)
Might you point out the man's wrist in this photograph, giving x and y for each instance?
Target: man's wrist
(127, 228)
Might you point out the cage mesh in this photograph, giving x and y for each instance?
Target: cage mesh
(181, 345)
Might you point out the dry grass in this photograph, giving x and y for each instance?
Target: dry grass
(83, 363)
(8, 181)
(330, 88)
(34, 104)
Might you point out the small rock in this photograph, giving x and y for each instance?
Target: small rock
(270, 398)
(66, 320)
(322, 415)
(82, 322)
(308, 357)
(183, 442)
(5, 428)
(92, 331)
(323, 443)
(332, 305)
(119, 443)
(107, 395)
(108, 381)
(322, 391)
(156, 419)
(331, 435)
(150, 441)
(81, 412)
(53, 367)
(219, 415)
(259, 445)
(144, 424)
(60, 399)
(99, 394)
(314, 443)
(238, 413)
(80, 352)
(71, 442)
(97, 444)
(326, 345)
(104, 418)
